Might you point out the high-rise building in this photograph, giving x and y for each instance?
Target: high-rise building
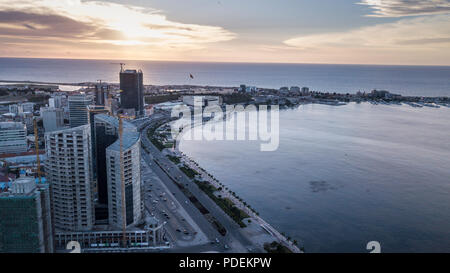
(101, 209)
(101, 93)
(55, 101)
(69, 172)
(132, 174)
(132, 94)
(106, 133)
(53, 119)
(109, 170)
(13, 137)
(78, 114)
(25, 218)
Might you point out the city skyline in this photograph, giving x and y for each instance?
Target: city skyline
(346, 32)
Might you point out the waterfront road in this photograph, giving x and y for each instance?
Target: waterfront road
(168, 172)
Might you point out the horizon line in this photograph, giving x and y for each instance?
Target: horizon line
(225, 62)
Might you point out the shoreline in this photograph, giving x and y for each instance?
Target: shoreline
(226, 193)
(239, 204)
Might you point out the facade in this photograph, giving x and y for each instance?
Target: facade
(69, 171)
(132, 94)
(53, 119)
(14, 109)
(56, 101)
(105, 134)
(25, 218)
(108, 166)
(134, 205)
(78, 114)
(13, 137)
(28, 107)
(295, 90)
(101, 94)
(205, 100)
(18, 109)
(305, 91)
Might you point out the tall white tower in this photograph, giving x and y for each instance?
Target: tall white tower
(69, 172)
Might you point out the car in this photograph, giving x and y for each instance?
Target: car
(226, 247)
(178, 230)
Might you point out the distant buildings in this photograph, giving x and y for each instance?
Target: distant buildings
(284, 90)
(13, 137)
(305, 91)
(383, 94)
(206, 100)
(101, 93)
(56, 101)
(53, 119)
(295, 90)
(18, 109)
(78, 114)
(132, 91)
(69, 171)
(247, 89)
(25, 218)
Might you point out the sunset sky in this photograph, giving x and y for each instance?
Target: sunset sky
(294, 31)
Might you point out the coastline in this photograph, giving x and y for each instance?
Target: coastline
(239, 203)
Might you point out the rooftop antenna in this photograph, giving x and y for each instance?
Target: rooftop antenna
(122, 186)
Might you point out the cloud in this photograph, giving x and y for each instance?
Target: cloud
(99, 22)
(425, 38)
(400, 8)
(432, 31)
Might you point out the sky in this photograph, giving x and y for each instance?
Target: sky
(405, 32)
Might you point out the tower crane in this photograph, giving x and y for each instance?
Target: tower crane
(121, 66)
(122, 178)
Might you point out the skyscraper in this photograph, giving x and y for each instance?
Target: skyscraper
(105, 134)
(25, 218)
(109, 171)
(53, 119)
(69, 171)
(78, 114)
(132, 175)
(132, 95)
(101, 93)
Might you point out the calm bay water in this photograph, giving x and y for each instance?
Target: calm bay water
(344, 176)
(406, 80)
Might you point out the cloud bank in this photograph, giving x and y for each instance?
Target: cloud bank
(74, 23)
(414, 40)
(400, 8)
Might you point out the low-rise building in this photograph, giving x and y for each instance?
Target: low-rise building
(13, 137)
(25, 218)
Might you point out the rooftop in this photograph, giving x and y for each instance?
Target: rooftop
(129, 139)
(11, 125)
(130, 133)
(113, 121)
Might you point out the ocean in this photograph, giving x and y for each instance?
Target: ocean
(346, 175)
(405, 80)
